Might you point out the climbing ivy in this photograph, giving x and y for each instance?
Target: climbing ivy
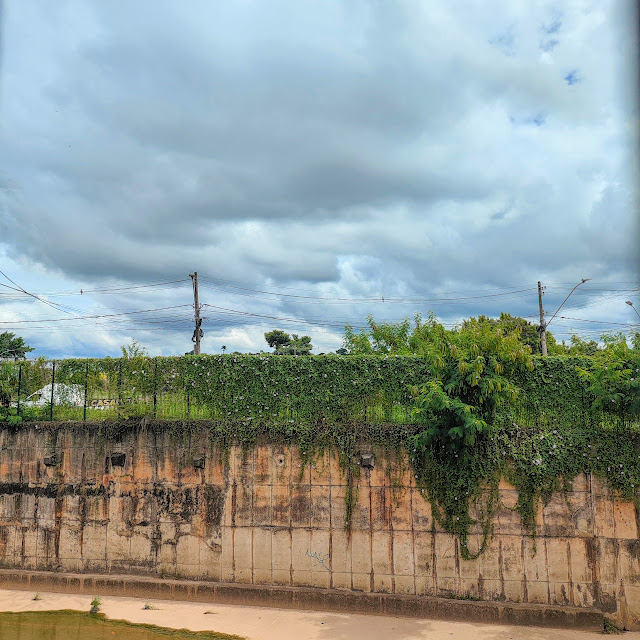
(556, 427)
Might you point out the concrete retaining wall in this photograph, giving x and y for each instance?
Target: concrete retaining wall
(156, 504)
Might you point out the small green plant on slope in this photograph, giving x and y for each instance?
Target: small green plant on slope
(609, 628)
(95, 605)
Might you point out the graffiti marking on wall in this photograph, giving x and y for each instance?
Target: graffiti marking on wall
(320, 558)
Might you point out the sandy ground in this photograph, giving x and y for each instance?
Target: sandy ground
(283, 624)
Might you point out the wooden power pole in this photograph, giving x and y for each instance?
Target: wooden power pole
(197, 333)
(543, 325)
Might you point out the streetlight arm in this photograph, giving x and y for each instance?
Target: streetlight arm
(562, 305)
(631, 305)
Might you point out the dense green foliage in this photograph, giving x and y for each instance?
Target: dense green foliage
(134, 350)
(470, 374)
(12, 347)
(614, 379)
(290, 345)
(239, 388)
(405, 338)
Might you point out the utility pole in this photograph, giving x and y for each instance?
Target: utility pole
(198, 332)
(543, 326)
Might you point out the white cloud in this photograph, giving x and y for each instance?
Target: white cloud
(355, 148)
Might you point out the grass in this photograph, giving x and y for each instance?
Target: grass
(88, 627)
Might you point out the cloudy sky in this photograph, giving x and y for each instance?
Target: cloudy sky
(314, 162)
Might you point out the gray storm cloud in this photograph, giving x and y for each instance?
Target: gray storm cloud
(278, 142)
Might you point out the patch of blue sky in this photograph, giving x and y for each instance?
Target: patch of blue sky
(552, 27)
(549, 45)
(536, 120)
(505, 41)
(572, 77)
(549, 31)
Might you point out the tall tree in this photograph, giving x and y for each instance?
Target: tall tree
(12, 348)
(614, 376)
(298, 346)
(277, 339)
(400, 338)
(134, 350)
(529, 331)
(472, 372)
(380, 337)
(284, 344)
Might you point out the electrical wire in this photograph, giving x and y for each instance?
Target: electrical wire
(141, 288)
(106, 315)
(47, 302)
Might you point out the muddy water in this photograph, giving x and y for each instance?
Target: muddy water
(74, 625)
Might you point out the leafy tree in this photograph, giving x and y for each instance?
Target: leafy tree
(581, 347)
(277, 339)
(298, 346)
(284, 344)
(472, 369)
(614, 377)
(380, 337)
(401, 339)
(529, 332)
(12, 347)
(134, 350)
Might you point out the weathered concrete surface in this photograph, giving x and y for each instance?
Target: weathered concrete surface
(304, 598)
(170, 507)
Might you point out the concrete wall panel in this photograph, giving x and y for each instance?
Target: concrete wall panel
(180, 507)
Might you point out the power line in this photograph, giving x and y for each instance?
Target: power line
(51, 304)
(141, 288)
(618, 324)
(378, 298)
(106, 315)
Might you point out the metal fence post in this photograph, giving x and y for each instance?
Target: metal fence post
(53, 384)
(19, 386)
(119, 388)
(86, 388)
(155, 388)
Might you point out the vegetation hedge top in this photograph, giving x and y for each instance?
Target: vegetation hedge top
(278, 389)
